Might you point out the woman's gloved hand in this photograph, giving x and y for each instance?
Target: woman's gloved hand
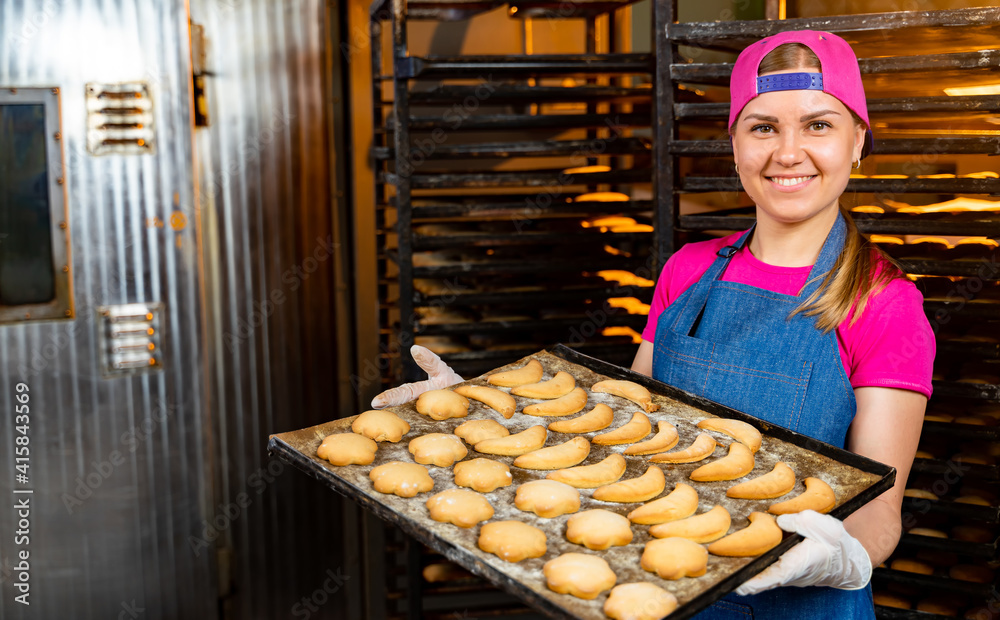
(828, 556)
(439, 375)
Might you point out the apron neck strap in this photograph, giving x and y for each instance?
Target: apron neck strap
(827, 256)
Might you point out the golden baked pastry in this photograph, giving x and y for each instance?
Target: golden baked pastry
(475, 431)
(641, 489)
(600, 417)
(912, 566)
(547, 498)
(664, 439)
(889, 599)
(736, 464)
(628, 390)
(703, 528)
(975, 573)
(459, 507)
(347, 449)
(512, 541)
(926, 531)
(579, 574)
(559, 385)
(673, 558)
(529, 373)
(680, 503)
(598, 529)
(702, 447)
(438, 449)
(591, 476)
(818, 496)
(941, 605)
(639, 601)
(919, 494)
(517, 444)
(738, 430)
(402, 479)
(442, 405)
(763, 534)
(573, 402)
(636, 428)
(776, 483)
(561, 455)
(483, 475)
(380, 425)
(501, 402)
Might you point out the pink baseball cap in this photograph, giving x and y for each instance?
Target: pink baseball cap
(840, 75)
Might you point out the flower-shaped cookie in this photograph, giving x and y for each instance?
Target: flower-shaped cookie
(402, 479)
(459, 507)
(439, 449)
(347, 449)
(380, 425)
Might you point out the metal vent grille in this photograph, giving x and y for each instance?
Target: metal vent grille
(120, 119)
(130, 338)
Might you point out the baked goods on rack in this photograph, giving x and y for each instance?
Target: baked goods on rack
(483, 475)
(680, 503)
(347, 449)
(380, 425)
(547, 498)
(598, 418)
(559, 456)
(818, 496)
(641, 489)
(591, 476)
(598, 529)
(442, 405)
(581, 574)
(498, 400)
(402, 479)
(459, 507)
(512, 541)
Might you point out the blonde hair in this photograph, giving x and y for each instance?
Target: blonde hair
(861, 269)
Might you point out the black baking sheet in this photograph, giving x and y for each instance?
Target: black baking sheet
(865, 478)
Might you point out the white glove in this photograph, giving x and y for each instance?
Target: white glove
(828, 556)
(439, 375)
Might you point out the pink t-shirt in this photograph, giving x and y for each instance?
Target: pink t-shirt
(891, 345)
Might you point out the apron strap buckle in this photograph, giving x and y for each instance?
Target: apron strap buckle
(727, 252)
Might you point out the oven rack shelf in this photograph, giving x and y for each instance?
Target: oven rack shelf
(532, 65)
(526, 95)
(957, 389)
(876, 107)
(932, 583)
(520, 207)
(525, 178)
(986, 551)
(941, 30)
(635, 321)
(986, 473)
(643, 294)
(584, 236)
(550, 266)
(975, 145)
(883, 612)
(452, 10)
(957, 430)
(910, 185)
(969, 309)
(539, 148)
(741, 219)
(944, 507)
(525, 121)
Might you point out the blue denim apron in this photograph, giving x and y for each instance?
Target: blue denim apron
(734, 344)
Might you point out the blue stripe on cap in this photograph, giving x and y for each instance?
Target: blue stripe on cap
(789, 81)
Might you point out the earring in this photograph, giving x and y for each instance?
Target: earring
(857, 164)
(737, 166)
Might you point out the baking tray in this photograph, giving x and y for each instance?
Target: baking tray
(855, 479)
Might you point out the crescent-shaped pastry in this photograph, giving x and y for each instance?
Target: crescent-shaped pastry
(348, 449)
(818, 496)
(529, 373)
(559, 385)
(763, 534)
(776, 483)
(738, 430)
(639, 601)
(627, 389)
(380, 425)
(512, 541)
(459, 507)
(591, 476)
(664, 439)
(680, 503)
(580, 574)
(600, 417)
(442, 405)
(514, 445)
(736, 464)
(673, 558)
(598, 529)
(475, 431)
(702, 528)
(561, 455)
(641, 489)
(637, 428)
(502, 402)
(402, 479)
(547, 498)
(703, 447)
(573, 402)
(438, 449)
